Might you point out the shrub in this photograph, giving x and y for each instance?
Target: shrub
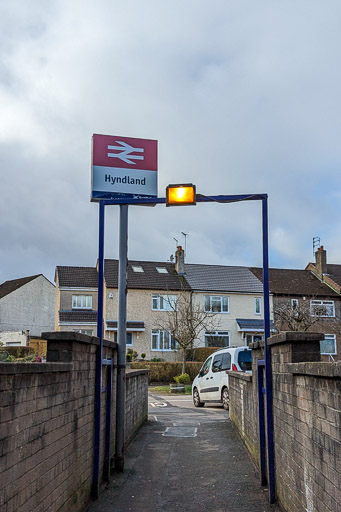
(143, 355)
(184, 378)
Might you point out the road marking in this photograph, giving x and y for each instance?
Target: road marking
(158, 404)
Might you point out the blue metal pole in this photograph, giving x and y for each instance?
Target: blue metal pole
(99, 355)
(267, 354)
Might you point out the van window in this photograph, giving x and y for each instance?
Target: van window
(205, 368)
(216, 366)
(245, 360)
(226, 364)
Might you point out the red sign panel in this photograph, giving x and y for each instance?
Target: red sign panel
(124, 152)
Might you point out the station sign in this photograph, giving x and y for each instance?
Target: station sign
(123, 167)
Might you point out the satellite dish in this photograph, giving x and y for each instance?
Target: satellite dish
(171, 258)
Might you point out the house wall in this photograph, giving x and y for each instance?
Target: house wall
(240, 306)
(29, 307)
(47, 425)
(66, 298)
(306, 416)
(324, 325)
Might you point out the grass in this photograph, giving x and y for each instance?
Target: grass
(165, 390)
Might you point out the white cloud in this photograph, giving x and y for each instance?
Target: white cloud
(243, 98)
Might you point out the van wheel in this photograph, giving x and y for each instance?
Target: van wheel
(196, 399)
(225, 399)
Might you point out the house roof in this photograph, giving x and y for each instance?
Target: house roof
(82, 277)
(222, 278)
(149, 279)
(10, 286)
(334, 272)
(294, 282)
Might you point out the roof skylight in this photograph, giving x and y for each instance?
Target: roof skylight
(137, 268)
(162, 270)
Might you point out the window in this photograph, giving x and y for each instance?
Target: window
(164, 302)
(324, 308)
(81, 301)
(216, 304)
(137, 268)
(89, 332)
(217, 339)
(129, 338)
(162, 270)
(162, 340)
(328, 345)
(252, 338)
(221, 362)
(258, 306)
(294, 304)
(206, 367)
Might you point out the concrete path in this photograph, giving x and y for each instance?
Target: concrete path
(185, 459)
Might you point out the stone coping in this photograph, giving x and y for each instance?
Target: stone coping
(240, 375)
(318, 369)
(78, 337)
(289, 337)
(134, 373)
(16, 368)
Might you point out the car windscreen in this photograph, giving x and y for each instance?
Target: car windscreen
(245, 360)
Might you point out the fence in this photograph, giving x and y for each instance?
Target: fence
(47, 424)
(307, 419)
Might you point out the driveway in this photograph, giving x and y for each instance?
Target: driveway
(188, 459)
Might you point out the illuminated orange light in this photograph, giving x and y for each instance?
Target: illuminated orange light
(180, 195)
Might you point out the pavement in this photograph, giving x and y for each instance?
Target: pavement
(185, 459)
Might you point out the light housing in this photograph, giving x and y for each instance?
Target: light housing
(180, 194)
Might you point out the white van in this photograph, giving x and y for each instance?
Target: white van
(211, 383)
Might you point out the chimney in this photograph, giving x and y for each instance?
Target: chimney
(180, 261)
(321, 261)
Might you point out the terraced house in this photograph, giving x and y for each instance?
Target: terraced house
(233, 294)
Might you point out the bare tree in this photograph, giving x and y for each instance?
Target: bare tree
(297, 316)
(185, 320)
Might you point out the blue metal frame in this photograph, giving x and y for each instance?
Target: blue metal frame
(268, 372)
(261, 420)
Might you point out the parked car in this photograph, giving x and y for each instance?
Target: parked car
(211, 385)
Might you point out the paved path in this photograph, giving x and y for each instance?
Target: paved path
(185, 459)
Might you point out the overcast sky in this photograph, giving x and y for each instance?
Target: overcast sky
(242, 96)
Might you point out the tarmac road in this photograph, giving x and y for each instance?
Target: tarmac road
(185, 459)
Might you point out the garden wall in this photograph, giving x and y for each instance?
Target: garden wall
(47, 424)
(164, 371)
(307, 419)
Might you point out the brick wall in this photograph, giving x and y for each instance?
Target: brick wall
(307, 419)
(47, 425)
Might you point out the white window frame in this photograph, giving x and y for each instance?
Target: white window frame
(159, 335)
(294, 304)
(217, 333)
(209, 299)
(252, 340)
(322, 304)
(329, 337)
(164, 302)
(83, 299)
(258, 306)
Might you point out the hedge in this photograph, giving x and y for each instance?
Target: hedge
(165, 372)
(201, 353)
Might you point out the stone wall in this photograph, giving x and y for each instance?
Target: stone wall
(307, 418)
(47, 425)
